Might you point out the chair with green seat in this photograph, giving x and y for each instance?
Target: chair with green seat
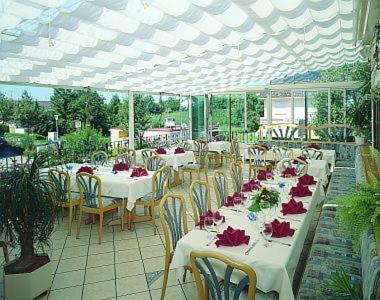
(146, 153)
(99, 158)
(236, 171)
(200, 199)
(220, 187)
(154, 163)
(62, 195)
(127, 158)
(92, 201)
(201, 165)
(160, 182)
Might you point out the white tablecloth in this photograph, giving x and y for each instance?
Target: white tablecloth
(319, 169)
(275, 265)
(214, 146)
(172, 159)
(120, 185)
(328, 155)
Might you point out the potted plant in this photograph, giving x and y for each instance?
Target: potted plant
(27, 214)
(358, 111)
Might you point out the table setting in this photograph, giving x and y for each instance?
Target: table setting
(264, 226)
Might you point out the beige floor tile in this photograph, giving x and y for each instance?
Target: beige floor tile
(126, 244)
(144, 232)
(172, 292)
(98, 260)
(190, 290)
(137, 296)
(123, 235)
(68, 279)
(72, 252)
(154, 264)
(172, 280)
(129, 269)
(131, 285)
(152, 251)
(66, 294)
(127, 255)
(72, 264)
(99, 290)
(100, 248)
(55, 254)
(54, 265)
(58, 244)
(97, 274)
(150, 241)
(72, 241)
(106, 238)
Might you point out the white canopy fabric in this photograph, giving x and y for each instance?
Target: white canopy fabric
(182, 46)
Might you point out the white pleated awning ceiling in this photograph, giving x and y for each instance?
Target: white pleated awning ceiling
(181, 46)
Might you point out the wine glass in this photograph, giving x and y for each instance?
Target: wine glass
(269, 175)
(287, 180)
(209, 224)
(264, 208)
(267, 233)
(218, 220)
(237, 202)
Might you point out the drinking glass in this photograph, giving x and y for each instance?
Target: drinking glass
(218, 220)
(267, 233)
(269, 175)
(238, 202)
(209, 224)
(288, 178)
(264, 208)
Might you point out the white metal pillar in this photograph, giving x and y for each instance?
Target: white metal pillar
(131, 121)
(245, 113)
(329, 106)
(205, 107)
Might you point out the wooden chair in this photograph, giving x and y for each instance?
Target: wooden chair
(280, 153)
(220, 287)
(91, 200)
(155, 163)
(61, 192)
(5, 251)
(199, 145)
(200, 198)
(198, 167)
(99, 158)
(172, 212)
(300, 165)
(205, 137)
(159, 188)
(257, 157)
(312, 153)
(128, 158)
(220, 187)
(147, 153)
(235, 151)
(236, 171)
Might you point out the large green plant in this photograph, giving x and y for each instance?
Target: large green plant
(27, 212)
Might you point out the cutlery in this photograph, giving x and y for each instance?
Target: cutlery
(278, 242)
(289, 219)
(210, 242)
(250, 248)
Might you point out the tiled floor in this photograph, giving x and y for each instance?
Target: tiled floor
(127, 265)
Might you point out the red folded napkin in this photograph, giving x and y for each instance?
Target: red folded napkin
(230, 199)
(289, 171)
(315, 146)
(138, 172)
(209, 213)
(265, 146)
(160, 151)
(85, 169)
(306, 179)
(281, 229)
(293, 207)
(179, 150)
(120, 167)
(217, 139)
(232, 237)
(300, 191)
(301, 157)
(262, 175)
(251, 185)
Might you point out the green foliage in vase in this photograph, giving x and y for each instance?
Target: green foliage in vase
(342, 287)
(270, 196)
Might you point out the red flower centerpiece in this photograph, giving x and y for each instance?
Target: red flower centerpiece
(85, 169)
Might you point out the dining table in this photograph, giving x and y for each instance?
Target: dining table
(216, 148)
(275, 265)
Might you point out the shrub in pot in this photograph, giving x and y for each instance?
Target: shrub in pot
(27, 214)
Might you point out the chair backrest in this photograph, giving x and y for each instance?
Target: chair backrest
(61, 188)
(279, 153)
(257, 155)
(160, 182)
(203, 159)
(199, 198)
(235, 150)
(220, 137)
(300, 165)
(311, 153)
(147, 153)
(204, 263)
(199, 145)
(220, 187)
(99, 158)
(155, 163)
(186, 146)
(90, 190)
(172, 212)
(204, 136)
(126, 158)
(236, 171)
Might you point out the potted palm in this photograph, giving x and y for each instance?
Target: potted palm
(27, 214)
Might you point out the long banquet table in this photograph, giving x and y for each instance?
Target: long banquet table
(275, 265)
